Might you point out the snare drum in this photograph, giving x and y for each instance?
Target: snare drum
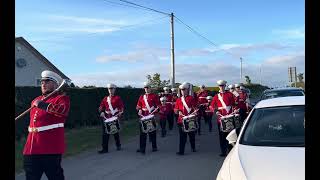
(148, 123)
(237, 122)
(112, 125)
(227, 123)
(189, 123)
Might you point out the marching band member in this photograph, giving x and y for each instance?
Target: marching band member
(202, 101)
(165, 109)
(208, 112)
(169, 100)
(45, 143)
(224, 102)
(185, 105)
(242, 102)
(110, 106)
(174, 100)
(231, 88)
(147, 104)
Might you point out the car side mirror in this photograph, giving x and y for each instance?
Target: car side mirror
(232, 137)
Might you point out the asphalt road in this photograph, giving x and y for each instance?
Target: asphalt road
(161, 165)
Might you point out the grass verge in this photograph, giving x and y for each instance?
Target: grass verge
(80, 140)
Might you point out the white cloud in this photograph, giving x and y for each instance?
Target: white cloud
(87, 21)
(298, 33)
(274, 73)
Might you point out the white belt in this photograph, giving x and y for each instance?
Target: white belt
(222, 107)
(44, 128)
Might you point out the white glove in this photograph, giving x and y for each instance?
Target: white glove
(140, 112)
(218, 113)
(102, 115)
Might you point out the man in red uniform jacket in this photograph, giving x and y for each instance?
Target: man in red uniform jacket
(224, 102)
(208, 112)
(165, 109)
(185, 105)
(147, 104)
(242, 102)
(202, 101)
(110, 106)
(169, 100)
(45, 143)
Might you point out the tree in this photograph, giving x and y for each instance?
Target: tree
(248, 80)
(128, 87)
(156, 82)
(72, 85)
(300, 77)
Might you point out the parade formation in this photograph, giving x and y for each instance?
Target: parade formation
(181, 107)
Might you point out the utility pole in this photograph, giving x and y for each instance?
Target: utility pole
(172, 78)
(240, 69)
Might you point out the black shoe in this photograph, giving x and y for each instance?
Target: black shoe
(194, 150)
(223, 155)
(142, 152)
(180, 153)
(154, 150)
(103, 151)
(119, 148)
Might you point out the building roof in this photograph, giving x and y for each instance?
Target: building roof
(40, 56)
(281, 101)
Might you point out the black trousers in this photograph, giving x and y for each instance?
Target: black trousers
(201, 114)
(225, 147)
(183, 139)
(163, 124)
(36, 165)
(209, 120)
(105, 139)
(243, 116)
(170, 119)
(143, 140)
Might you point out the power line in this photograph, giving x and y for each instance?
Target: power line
(150, 9)
(121, 4)
(198, 34)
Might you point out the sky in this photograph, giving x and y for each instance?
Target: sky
(98, 42)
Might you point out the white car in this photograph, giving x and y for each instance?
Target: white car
(271, 143)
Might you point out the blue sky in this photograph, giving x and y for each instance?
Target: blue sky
(96, 42)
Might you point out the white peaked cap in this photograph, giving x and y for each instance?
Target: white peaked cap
(231, 86)
(165, 88)
(111, 85)
(241, 87)
(51, 76)
(184, 85)
(163, 99)
(209, 97)
(221, 82)
(202, 86)
(236, 85)
(227, 89)
(173, 89)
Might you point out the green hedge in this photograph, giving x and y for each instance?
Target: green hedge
(83, 108)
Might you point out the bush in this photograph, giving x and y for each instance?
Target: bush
(83, 108)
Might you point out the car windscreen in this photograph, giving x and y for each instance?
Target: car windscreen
(276, 126)
(275, 94)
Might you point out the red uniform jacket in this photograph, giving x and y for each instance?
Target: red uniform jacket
(202, 96)
(116, 103)
(228, 99)
(241, 100)
(153, 101)
(190, 101)
(164, 111)
(169, 100)
(50, 141)
(209, 112)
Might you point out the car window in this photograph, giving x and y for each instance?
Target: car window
(277, 126)
(275, 94)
